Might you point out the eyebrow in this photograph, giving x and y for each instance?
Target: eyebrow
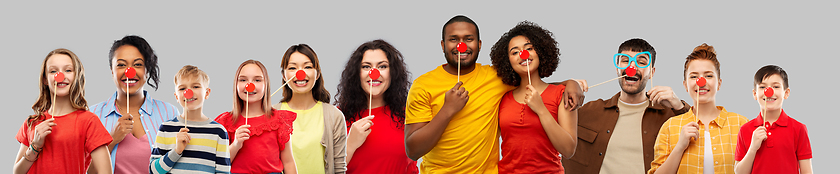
(377, 63)
(136, 59)
(526, 44)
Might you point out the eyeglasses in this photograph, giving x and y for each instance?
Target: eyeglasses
(622, 60)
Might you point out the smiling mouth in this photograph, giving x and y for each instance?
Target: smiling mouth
(191, 99)
(631, 79)
(301, 82)
(250, 93)
(130, 81)
(525, 63)
(769, 99)
(62, 84)
(701, 90)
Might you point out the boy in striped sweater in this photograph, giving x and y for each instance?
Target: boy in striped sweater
(191, 143)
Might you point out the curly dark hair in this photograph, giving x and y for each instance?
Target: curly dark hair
(544, 45)
(150, 59)
(352, 99)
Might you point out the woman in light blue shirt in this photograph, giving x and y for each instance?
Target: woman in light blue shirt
(134, 132)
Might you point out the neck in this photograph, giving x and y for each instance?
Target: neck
(195, 115)
(453, 68)
(302, 101)
(772, 115)
(136, 99)
(62, 106)
(377, 101)
(708, 111)
(536, 82)
(632, 98)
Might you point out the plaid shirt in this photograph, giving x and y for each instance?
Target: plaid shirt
(724, 136)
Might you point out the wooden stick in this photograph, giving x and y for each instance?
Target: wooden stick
(651, 83)
(608, 81)
(185, 112)
(281, 86)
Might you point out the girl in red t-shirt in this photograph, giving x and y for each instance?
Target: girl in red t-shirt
(382, 143)
(263, 145)
(62, 137)
(535, 128)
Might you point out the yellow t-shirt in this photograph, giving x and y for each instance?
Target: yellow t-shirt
(470, 143)
(306, 135)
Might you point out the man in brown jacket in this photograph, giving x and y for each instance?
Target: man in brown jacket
(617, 135)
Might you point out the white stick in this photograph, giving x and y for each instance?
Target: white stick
(185, 112)
(127, 99)
(529, 71)
(608, 81)
(370, 100)
(281, 86)
(246, 107)
(459, 67)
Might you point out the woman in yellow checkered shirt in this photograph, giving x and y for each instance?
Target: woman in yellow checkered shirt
(689, 143)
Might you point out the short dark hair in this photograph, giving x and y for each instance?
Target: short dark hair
(543, 42)
(460, 18)
(150, 59)
(353, 100)
(768, 71)
(639, 45)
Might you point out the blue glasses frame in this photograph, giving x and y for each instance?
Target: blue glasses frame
(632, 60)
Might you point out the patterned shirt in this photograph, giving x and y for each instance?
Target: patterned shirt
(207, 151)
(724, 132)
(152, 114)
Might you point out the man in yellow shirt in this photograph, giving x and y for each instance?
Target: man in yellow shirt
(455, 129)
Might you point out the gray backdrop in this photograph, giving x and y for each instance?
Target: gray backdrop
(217, 37)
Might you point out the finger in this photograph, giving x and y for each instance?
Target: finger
(466, 95)
(457, 86)
(367, 126)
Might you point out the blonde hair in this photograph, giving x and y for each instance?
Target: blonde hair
(77, 87)
(189, 71)
(238, 104)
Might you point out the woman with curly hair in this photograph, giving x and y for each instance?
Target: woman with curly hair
(370, 143)
(535, 128)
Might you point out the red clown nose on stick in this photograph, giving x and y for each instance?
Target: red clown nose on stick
(249, 87)
(701, 82)
(374, 74)
(58, 77)
(768, 92)
(462, 47)
(300, 75)
(130, 72)
(524, 55)
(188, 94)
(631, 71)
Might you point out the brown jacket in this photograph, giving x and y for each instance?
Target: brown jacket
(597, 119)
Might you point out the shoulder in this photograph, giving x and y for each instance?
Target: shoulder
(223, 118)
(798, 125)
(162, 105)
(286, 115)
(332, 110)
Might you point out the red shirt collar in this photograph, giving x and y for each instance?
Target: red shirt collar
(782, 121)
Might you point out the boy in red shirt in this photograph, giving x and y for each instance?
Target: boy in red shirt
(777, 144)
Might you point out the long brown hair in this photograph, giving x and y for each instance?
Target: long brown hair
(318, 91)
(238, 104)
(77, 87)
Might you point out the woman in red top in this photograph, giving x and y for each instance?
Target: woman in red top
(380, 147)
(62, 137)
(263, 145)
(534, 126)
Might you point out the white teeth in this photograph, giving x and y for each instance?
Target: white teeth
(130, 81)
(249, 93)
(300, 82)
(374, 82)
(703, 91)
(192, 99)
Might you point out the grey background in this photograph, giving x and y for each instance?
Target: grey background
(799, 36)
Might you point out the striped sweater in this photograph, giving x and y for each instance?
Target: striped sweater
(206, 152)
